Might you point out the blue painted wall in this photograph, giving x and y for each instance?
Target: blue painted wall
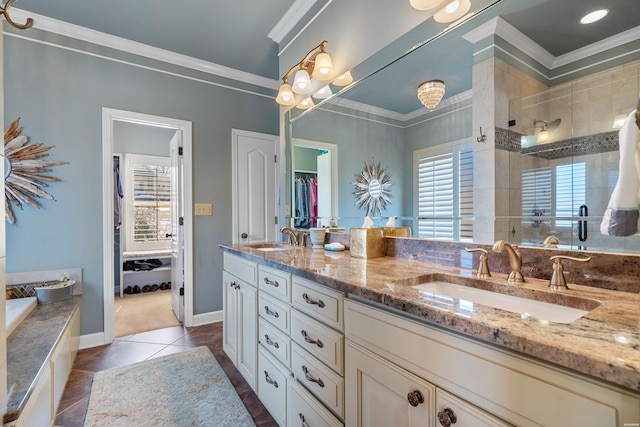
(59, 94)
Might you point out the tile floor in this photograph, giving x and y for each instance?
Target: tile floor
(134, 348)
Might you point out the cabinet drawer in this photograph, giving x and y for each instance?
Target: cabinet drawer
(304, 409)
(450, 408)
(276, 342)
(318, 301)
(275, 282)
(272, 385)
(321, 341)
(275, 311)
(321, 381)
(241, 268)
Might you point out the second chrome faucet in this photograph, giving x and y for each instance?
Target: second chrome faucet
(515, 260)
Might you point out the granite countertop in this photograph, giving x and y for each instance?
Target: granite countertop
(604, 344)
(29, 346)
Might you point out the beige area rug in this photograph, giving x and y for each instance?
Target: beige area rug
(181, 389)
(143, 312)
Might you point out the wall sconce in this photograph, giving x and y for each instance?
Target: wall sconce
(317, 64)
(4, 10)
(545, 127)
(430, 93)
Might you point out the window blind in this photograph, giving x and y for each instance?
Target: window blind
(465, 194)
(570, 192)
(536, 194)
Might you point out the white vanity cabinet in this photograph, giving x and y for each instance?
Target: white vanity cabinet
(317, 353)
(240, 326)
(274, 349)
(388, 356)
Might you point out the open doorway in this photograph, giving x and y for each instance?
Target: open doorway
(315, 183)
(158, 268)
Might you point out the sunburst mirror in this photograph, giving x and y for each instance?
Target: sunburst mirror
(25, 172)
(373, 188)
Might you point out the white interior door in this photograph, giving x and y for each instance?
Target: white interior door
(177, 227)
(254, 186)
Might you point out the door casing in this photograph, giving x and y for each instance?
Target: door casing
(109, 116)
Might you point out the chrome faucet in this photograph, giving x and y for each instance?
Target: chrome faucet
(515, 260)
(292, 236)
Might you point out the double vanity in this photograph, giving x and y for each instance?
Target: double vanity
(325, 338)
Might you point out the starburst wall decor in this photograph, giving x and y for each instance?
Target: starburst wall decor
(373, 186)
(24, 170)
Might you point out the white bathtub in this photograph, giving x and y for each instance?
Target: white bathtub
(17, 310)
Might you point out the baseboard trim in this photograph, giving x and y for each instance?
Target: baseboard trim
(206, 318)
(92, 340)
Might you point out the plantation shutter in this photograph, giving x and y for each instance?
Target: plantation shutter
(465, 194)
(536, 194)
(570, 192)
(435, 196)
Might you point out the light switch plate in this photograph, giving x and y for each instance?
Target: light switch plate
(203, 209)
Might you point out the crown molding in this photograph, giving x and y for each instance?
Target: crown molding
(620, 39)
(96, 37)
(382, 112)
(290, 19)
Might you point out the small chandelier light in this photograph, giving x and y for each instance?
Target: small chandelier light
(430, 93)
(305, 104)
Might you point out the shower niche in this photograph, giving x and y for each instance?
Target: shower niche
(563, 159)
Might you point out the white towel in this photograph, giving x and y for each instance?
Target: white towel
(621, 216)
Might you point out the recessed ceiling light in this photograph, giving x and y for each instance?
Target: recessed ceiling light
(594, 16)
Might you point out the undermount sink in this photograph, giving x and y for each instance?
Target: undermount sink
(271, 247)
(531, 305)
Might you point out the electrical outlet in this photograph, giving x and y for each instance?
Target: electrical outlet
(203, 209)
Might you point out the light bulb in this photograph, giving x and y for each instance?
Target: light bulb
(285, 95)
(323, 67)
(594, 16)
(452, 7)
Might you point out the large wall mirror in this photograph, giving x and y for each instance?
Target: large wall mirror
(522, 146)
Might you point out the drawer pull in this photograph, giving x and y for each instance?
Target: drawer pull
(415, 398)
(308, 300)
(234, 285)
(304, 423)
(270, 342)
(447, 417)
(268, 379)
(273, 283)
(310, 340)
(271, 313)
(311, 378)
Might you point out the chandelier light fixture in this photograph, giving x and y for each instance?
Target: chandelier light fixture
(430, 93)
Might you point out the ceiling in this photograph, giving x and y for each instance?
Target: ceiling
(236, 33)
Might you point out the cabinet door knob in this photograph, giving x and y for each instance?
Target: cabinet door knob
(244, 235)
(308, 300)
(415, 398)
(447, 417)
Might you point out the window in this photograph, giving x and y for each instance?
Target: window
(570, 192)
(564, 190)
(444, 201)
(147, 201)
